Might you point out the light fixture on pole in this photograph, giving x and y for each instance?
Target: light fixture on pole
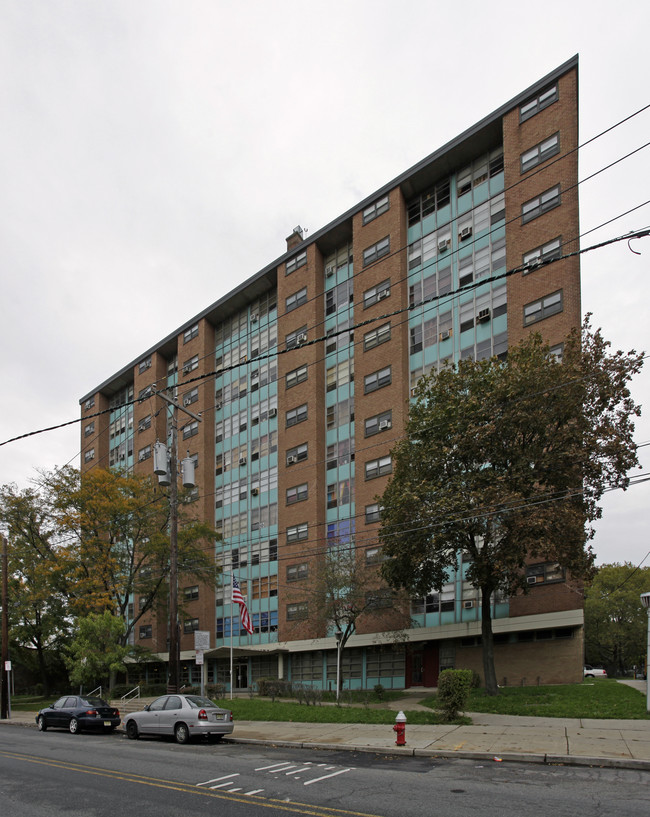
(645, 601)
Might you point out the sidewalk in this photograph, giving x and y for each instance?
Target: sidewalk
(613, 743)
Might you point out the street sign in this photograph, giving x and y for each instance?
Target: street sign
(201, 639)
(7, 666)
(199, 657)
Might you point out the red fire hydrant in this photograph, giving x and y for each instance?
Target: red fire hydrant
(400, 729)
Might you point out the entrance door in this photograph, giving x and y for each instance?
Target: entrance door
(417, 668)
(241, 675)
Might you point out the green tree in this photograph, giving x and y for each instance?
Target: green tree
(505, 460)
(38, 586)
(97, 651)
(616, 623)
(116, 526)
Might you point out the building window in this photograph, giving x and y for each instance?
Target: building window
(145, 423)
(145, 631)
(296, 415)
(340, 493)
(376, 293)
(191, 364)
(379, 468)
(376, 337)
(297, 454)
(146, 392)
(296, 376)
(540, 153)
(374, 556)
(144, 453)
(428, 202)
(90, 402)
(376, 599)
(297, 612)
(544, 573)
(538, 103)
(547, 252)
(190, 333)
(89, 455)
(294, 263)
(297, 572)
(144, 365)
(297, 299)
(377, 251)
(338, 297)
(296, 337)
(297, 533)
(543, 308)
(376, 209)
(191, 429)
(540, 204)
(373, 513)
(339, 374)
(190, 625)
(89, 429)
(380, 422)
(191, 593)
(376, 380)
(298, 493)
(557, 351)
(191, 397)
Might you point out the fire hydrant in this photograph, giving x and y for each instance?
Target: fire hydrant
(400, 729)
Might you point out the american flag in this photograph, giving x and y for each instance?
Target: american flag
(243, 610)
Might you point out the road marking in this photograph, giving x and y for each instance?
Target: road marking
(217, 779)
(304, 769)
(326, 776)
(253, 791)
(232, 791)
(222, 785)
(264, 768)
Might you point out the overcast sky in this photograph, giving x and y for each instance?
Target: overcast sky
(154, 154)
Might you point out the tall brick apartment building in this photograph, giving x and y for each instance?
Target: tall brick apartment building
(302, 376)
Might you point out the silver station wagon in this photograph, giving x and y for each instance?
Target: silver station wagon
(182, 716)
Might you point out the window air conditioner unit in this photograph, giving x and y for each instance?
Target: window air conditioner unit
(254, 317)
(273, 412)
(218, 407)
(444, 335)
(301, 338)
(187, 401)
(242, 460)
(291, 460)
(243, 359)
(443, 244)
(465, 233)
(413, 391)
(255, 491)
(255, 373)
(532, 579)
(383, 294)
(329, 271)
(384, 424)
(468, 604)
(483, 315)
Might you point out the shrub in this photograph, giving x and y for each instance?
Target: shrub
(215, 691)
(379, 691)
(454, 686)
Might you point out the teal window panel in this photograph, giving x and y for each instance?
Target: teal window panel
(415, 360)
(464, 203)
(466, 298)
(414, 232)
(447, 618)
(445, 347)
(483, 331)
(429, 224)
(444, 215)
(331, 436)
(465, 251)
(430, 355)
(481, 193)
(499, 324)
(482, 241)
(433, 619)
(497, 184)
(501, 610)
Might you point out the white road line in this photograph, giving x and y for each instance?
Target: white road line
(221, 785)
(283, 769)
(304, 769)
(253, 791)
(216, 779)
(324, 777)
(232, 791)
(275, 765)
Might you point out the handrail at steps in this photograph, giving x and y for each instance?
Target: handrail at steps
(134, 693)
(95, 691)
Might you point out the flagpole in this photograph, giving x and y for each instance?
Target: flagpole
(232, 604)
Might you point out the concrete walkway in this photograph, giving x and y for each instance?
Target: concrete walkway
(494, 738)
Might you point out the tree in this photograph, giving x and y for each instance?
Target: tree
(97, 651)
(118, 542)
(616, 623)
(505, 460)
(348, 589)
(38, 588)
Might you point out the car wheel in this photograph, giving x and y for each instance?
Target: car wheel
(182, 733)
(42, 725)
(74, 727)
(589, 676)
(132, 730)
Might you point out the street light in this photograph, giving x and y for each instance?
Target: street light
(645, 601)
(339, 637)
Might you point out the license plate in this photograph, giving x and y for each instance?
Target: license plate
(219, 716)
(107, 723)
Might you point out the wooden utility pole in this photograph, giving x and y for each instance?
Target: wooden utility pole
(4, 690)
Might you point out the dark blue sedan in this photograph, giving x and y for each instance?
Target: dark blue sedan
(78, 714)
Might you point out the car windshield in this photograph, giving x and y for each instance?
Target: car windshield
(196, 702)
(93, 702)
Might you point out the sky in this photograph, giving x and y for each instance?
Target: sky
(155, 154)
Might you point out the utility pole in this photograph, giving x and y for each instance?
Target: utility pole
(166, 466)
(4, 690)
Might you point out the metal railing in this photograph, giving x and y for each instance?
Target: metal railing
(131, 695)
(97, 691)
